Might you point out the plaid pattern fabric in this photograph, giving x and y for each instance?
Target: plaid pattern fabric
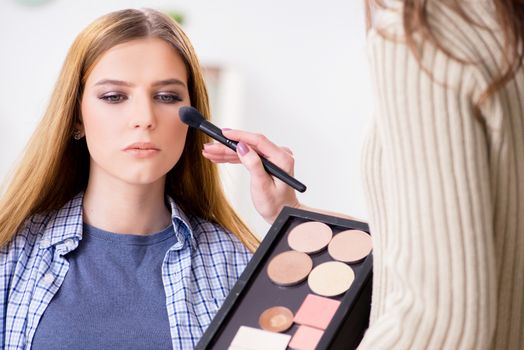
(198, 272)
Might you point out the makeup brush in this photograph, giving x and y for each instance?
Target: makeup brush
(194, 119)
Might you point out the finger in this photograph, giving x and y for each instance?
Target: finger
(257, 141)
(221, 159)
(278, 155)
(218, 149)
(288, 150)
(218, 153)
(251, 160)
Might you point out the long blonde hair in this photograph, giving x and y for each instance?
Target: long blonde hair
(55, 167)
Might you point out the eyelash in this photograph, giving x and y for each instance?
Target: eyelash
(173, 98)
(109, 98)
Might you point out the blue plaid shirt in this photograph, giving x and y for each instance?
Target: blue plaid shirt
(198, 272)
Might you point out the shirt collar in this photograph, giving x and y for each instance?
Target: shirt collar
(67, 222)
(180, 220)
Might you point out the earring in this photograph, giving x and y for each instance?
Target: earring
(77, 134)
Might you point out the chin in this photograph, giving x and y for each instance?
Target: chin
(144, 178)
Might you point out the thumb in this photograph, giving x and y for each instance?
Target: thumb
(253, 163)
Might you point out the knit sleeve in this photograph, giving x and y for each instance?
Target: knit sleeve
(437, 284)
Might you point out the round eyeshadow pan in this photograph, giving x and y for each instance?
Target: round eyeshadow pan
(350, 246)
(331, 278)
(310, 237)
(276, 319)
(289, 268)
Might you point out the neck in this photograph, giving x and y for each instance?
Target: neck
(126, 208)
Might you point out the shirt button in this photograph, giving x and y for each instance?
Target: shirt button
(49, 278)
(69, 243)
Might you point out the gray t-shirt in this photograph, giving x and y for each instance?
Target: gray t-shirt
(112, 296)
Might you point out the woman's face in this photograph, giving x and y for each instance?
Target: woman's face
(130, 112)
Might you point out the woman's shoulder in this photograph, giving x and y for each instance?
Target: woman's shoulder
(47, 227)
(211, 233)
(218, 245)
(34, 225)
(27, 239)
(465, 32)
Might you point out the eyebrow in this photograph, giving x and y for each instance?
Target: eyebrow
(169, 82)
(155, 84)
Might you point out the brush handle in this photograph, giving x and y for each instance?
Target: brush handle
(215, 133)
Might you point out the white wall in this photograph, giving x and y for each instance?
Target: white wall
(299, 68)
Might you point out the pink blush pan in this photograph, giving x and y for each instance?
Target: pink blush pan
(316, 311)
(305, 338)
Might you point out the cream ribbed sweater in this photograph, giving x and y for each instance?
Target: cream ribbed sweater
(445, 191)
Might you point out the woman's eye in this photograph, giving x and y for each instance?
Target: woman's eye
(168, 98)
(113, 98)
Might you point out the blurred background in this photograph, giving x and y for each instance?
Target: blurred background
(294, 70)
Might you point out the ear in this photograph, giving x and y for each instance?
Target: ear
(80, 128)
(79, 124)
(78, 131)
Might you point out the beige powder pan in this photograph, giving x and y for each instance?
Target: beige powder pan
(289, 268)
(310, 237)
(331, 278)
(350, 246)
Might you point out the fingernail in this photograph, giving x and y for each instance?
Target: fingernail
(242, 148)
(226, 129)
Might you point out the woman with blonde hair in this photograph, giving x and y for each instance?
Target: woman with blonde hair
(444, 174)
(114, 230)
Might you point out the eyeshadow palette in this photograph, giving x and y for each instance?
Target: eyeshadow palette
(308, 286)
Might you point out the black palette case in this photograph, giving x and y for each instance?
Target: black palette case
(254, 292)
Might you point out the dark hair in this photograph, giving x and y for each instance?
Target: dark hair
(509, 15)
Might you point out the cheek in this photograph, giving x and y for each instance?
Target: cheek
(178, 135)
(98, 120)
(175, 136)
(100, 126)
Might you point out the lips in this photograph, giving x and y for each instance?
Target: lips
(142, 146)
(142, 150)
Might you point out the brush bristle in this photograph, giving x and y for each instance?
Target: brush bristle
(190, 116)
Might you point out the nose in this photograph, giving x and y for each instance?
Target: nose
(143, 114)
